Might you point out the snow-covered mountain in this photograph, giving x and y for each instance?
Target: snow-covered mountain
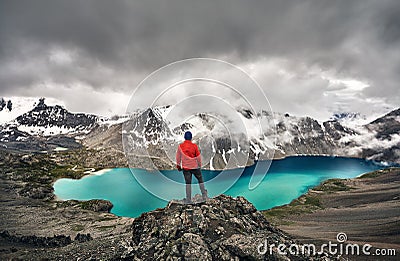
(12, 107)
(49, 120)
(150, 133)
(349, 119)
(150, 138)
(385, 143)
(31, 124)
(48, 117)
(289, 135)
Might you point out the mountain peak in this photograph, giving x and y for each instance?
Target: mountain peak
(346, 115)
(54, 120)
(393, 115)
(41, 104)
(151, 125)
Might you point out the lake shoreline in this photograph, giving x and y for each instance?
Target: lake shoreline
(327, 167)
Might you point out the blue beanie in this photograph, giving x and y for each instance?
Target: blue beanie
(188, 135)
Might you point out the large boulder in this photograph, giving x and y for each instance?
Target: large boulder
(222, 228)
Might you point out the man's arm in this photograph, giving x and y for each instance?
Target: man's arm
(198, 156)
(178, 158)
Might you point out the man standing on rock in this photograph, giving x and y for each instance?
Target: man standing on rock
(188, 159)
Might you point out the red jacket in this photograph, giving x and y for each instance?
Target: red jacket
(188, 155)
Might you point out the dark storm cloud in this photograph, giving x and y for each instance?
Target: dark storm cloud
(112, 45)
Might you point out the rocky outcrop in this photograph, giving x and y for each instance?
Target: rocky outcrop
(222, 228)
(6, 105)
(37, 241)
(83, 237)
(55, 241)
(37, 191)
(2, 103)
(97, 205)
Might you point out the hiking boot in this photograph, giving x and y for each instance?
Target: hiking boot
(187, 200)
(205, 195)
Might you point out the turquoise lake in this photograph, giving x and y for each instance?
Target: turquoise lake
(286, 180)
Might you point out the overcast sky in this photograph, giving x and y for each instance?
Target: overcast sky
(311, 57)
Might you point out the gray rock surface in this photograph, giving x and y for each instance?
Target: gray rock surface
(222, 228)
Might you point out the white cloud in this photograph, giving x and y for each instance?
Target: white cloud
(82, 98)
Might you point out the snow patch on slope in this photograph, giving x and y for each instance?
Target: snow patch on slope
(50, 130)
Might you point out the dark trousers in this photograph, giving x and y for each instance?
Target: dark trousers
(188, 179)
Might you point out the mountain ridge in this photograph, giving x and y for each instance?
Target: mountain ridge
(149, 130)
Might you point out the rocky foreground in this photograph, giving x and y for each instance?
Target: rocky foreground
(222, 228)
